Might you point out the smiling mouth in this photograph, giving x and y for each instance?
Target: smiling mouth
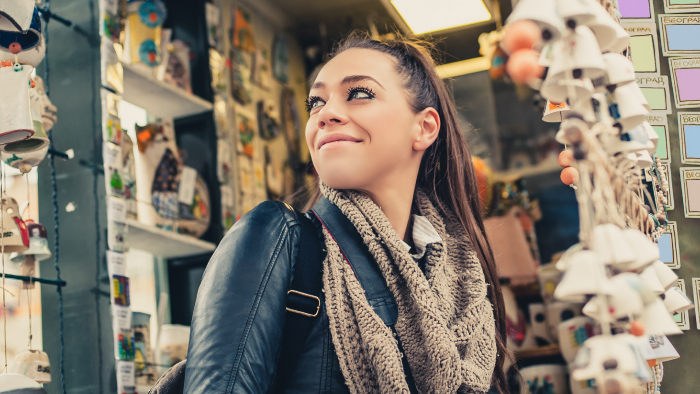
(336, 143)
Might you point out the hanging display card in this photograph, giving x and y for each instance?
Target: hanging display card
(644, 47)
(676, 6)
(682, 319)
(690, 183)
(666, 168)
(659, 122)
(689, 130)
(636, 10)
(668, 246)
(126, 377)
(657, 92)
(116, 209)
(679, 34)
(696, 299)
(685, 73)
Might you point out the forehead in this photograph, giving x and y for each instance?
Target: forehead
(359, 61)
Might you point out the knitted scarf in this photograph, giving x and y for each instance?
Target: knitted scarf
(446, 324)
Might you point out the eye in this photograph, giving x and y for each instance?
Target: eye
(360, 93)
(313, 102)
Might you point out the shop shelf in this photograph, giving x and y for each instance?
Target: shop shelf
(163, 243)
(159, 98)
(544, 351)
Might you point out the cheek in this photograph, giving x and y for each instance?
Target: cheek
(310, 133)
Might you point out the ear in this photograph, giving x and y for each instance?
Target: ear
(429, 127)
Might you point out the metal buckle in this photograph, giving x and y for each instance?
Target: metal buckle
(318, 303)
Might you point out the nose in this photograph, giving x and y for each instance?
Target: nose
(330, 114)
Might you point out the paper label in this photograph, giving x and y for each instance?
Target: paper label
(116, 263)
(185, 191)
(116, 209)
(126, 377)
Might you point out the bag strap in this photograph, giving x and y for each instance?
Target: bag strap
(360, 259)
(303, 299)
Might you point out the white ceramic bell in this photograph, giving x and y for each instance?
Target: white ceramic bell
(585, 275)
(575, 12)
(606, 29)
(652, 281)
(14, 383)
(645, 250)
(545, 59)
(600, 353)
(583, 108)
(543, 13)
(619, 69)
(579, 57)
(38, 243)
(644, 159)
(32, 56)
(613, 145)
(584, 387)
(651, 134)
(571, 131)
(16, 14)
(563, 261)
(15, 235)
(666, 275)
(631, 106)
(657, 320)
(624, 302)
(24, 162)
(33, 364)
(663, 349)
(573, 333)
(643, 373)
(16, 122)
(610, 244)
(553, 113)
(640, 135)
(560, 90)
(36, 142)
(676, 301)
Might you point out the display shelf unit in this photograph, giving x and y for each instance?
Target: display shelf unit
(160, 98)
(166, 244)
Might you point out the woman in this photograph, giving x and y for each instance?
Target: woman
(384, 139)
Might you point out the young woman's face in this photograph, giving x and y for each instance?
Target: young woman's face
(361, 129)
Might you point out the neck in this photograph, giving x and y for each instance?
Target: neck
(395, 202)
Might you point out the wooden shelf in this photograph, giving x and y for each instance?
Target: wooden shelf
(163, 243)
(159, 98)
(544, 351)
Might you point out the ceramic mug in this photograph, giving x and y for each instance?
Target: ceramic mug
(545, 378)
(558, 312)
(538, 322)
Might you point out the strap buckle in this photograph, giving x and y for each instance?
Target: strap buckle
(318, 303)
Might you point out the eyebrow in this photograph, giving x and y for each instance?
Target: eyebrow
(347, 80)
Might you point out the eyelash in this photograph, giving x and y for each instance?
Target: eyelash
(309, 102)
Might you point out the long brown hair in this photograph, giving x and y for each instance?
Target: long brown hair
(446, 169)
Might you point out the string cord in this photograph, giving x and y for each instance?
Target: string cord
(2, 250)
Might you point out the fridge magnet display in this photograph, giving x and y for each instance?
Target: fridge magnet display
(268, 125)
(126, 377)
(280, 59)
(668, 246)
(124, 343)
(644, 47)
(120, 290)
(111, 21)
(246, 134)
(143, 32)
(657, 92)
(228, 207)
(116, 263)
(245, 170)
(221, 117)
(262, 69)
(195, 216)
(223, 157)
(217, 64)
(116, 209)
(274, 174)
(659, 122)
(243, 30)
(685, 74)
(111, 156)
(682, 318)
(241, 88)
(128, 174)
(679, 34)
(680, 6)
(116, 236)
(636, 10)
(689, 130)
(112, 69)
(165, 186)
(696, 300)
(666, 168)
(121, 317)
(213, 18)
(177, 73)
(112, 130)
(690, 184)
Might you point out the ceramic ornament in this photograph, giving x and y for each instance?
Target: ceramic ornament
(619, 70)
(676, 301)
(38, 141)
(16, 123)
(32, 56)
(666, 276)
(16, 15)
(13, 383)
(543, 13)
(657, 320)
(554, 113)
(545, 378)
(15, 236)
(585, 275)
(579, 57)
(33, 364)
(610, 35)
(558, 312)
(15, 41)
(48, 111)
(38, 243)
(630, 108)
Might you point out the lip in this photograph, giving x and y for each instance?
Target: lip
(335, 137)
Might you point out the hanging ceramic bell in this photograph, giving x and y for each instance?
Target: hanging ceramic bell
(33, 364)
(611, 36)
(657, 320)
(645, 251)
(571, 131)
(651, 134)
(16, 40)
(652, 281)
(644, 159)
(583, 107)
(619, 70)
(578, 57)
(32, 56)
(610, 245)
(553, 113)
(630, 106)
(640, 135)
(16, 14)
(676, 301)
(13, 383)
(14, 237)
(666, 275)
(38, 243)
(585, 275)
(543, 13)
(24, 162)
(601, 353)
(575, 12)
(16, 122)
(624, 302)
(561, 90)
(663, 349)
(36, 142)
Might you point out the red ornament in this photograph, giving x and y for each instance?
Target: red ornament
(15, 48)
(521, 35)
(566, 158)
(637, 328)
(569, 175)
(523, 66)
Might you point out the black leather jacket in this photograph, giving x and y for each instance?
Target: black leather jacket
(239, 315)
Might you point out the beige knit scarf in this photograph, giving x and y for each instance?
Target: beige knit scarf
(446, 323)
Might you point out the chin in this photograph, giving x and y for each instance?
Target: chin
(343, 178)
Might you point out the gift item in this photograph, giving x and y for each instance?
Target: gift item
(38, 251)
(143, 32)
(177, 72)
(538, 324)
(15, 235)
(33, 364)
(13, 383)
(37, 142)
(32, 56)
(558, 312)
(16, 123)
(194, 218)
(144, 359)
(16, 40)
(48, 110)
(545, 378)
(16, 15)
